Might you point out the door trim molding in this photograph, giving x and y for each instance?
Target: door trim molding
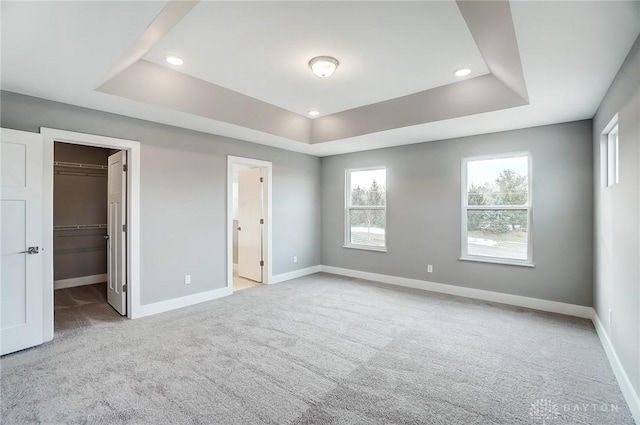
(51, 135)
(267, 242)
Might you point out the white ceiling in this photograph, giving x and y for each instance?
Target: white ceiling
(262, 50)
(570, 53)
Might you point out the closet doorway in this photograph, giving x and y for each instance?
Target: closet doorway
(89, 235)
(249, 221)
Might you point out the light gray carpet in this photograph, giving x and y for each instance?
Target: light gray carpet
(82, 306)
(320, 350)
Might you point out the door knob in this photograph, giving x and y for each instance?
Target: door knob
(31, 250)
(239, 228)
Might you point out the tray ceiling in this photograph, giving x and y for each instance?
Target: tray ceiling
(245, 74)
(386, 50)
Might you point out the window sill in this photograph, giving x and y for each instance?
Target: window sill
(366, 248)
(501, 261)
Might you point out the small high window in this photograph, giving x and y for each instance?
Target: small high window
(613, 157)
(610, 154)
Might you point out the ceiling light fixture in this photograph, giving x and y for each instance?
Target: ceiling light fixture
(462, 72)
(323, 66)
(174, 60)
(314, 112)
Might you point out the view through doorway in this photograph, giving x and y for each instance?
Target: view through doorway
(249, 214)
(89, 261)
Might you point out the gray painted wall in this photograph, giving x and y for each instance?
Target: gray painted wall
(183, 195)
(617, 220)
(79, 197)
(424, 213)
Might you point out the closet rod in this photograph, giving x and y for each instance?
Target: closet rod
(79, 165)
(80, 227)
(79, 250)
(79, 174)
(72, 235)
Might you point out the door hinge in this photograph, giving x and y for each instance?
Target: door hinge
(124, 288)
(124, 227)
(262, 221)
(124, 167)
(261, 263)
(261, 180)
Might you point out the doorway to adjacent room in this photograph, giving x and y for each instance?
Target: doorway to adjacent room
(249, 222)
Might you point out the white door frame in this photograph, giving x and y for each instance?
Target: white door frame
(266, 242)
(49, 136)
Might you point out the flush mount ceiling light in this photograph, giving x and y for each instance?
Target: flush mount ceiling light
(174, 60)
(462, 72)
(314, 112)
(323, 66)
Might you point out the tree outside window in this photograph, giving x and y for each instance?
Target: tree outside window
(366, 209)
(497, 208)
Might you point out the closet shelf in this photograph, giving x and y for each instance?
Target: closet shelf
(80, 227)
(78, 165)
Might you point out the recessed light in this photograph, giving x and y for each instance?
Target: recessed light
(462, 72)
(323, 66)
(314, 112)
(174, 60)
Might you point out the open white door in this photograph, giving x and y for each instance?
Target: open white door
(250, 224)
(116, 233)
(21, 287)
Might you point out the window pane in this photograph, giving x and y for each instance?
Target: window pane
(367, 227)
(368, 187)
(612, 157)
(502, 181)
(498, 233)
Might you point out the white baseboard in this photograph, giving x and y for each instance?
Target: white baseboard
(295, 274)
(79, 281)
(632, 398)
(461, 291)
(168, 305)
(162, 306)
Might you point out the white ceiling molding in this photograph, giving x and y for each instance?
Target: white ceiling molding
(490, 24)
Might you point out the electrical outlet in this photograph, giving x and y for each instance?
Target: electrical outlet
(429, 268)
(187, 279)
(295, 258)
(609, 316)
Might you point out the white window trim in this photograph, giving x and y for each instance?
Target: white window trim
(613, 157)
(348, 207)
(609, 154)
(465, 207)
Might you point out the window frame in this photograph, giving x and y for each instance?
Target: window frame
(610, 154)
(613, 157)
(348, 207)
(465, 207)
